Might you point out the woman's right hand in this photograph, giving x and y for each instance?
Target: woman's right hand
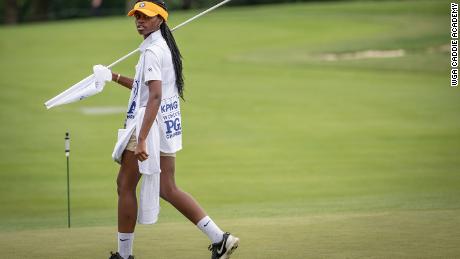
(141, 151)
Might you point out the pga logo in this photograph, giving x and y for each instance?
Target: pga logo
(172, 125)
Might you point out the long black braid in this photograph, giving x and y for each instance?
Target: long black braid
(175, 53)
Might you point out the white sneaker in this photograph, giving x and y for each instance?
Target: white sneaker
(224, 248)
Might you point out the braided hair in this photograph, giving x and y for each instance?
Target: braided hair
(175, 53)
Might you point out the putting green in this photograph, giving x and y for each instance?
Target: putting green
(402, 234)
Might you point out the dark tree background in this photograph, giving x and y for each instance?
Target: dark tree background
(19, 11)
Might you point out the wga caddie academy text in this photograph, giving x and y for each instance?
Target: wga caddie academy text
(454, 44)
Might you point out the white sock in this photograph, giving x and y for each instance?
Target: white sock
(210, 229)
(125, 244)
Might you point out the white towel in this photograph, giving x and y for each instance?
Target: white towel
(149, 202)
(152, 164)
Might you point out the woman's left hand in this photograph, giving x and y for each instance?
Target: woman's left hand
(141, 151)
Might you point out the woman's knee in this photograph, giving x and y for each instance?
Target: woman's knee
(125, 186)
(168, 192)
(168, 188)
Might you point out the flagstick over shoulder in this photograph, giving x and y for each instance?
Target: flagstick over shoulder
(81, 90)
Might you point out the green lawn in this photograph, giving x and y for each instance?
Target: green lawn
(299, 156)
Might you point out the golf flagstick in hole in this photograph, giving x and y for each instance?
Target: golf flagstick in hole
(67, 154)
(88, 87)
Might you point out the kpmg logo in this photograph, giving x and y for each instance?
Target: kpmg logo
(169, 107)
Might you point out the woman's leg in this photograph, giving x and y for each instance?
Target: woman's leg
(181, 200)
(223, 244)
(127, 180)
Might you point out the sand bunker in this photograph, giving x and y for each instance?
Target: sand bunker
(363, 55)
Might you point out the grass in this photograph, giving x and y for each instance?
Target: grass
(344, 235)
(300, 157)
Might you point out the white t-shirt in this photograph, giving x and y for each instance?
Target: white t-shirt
(156, 63)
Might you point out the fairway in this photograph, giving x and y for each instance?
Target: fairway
(320, 130)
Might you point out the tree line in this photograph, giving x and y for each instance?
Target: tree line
(20, 11)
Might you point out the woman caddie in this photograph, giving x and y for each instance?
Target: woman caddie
(152, 136)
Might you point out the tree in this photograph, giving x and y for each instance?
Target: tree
(186, 4)
(11, 11)
(129, 5)
(39, 10)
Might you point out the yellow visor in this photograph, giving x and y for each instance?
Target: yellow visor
(150, 9)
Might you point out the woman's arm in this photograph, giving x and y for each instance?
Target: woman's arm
(153, 104)
(122, 80)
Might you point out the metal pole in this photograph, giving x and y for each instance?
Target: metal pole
(201, 14)
(67, 154)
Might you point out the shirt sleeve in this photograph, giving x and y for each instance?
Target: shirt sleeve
(152, 66)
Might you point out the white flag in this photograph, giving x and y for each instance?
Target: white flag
(79, 91)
